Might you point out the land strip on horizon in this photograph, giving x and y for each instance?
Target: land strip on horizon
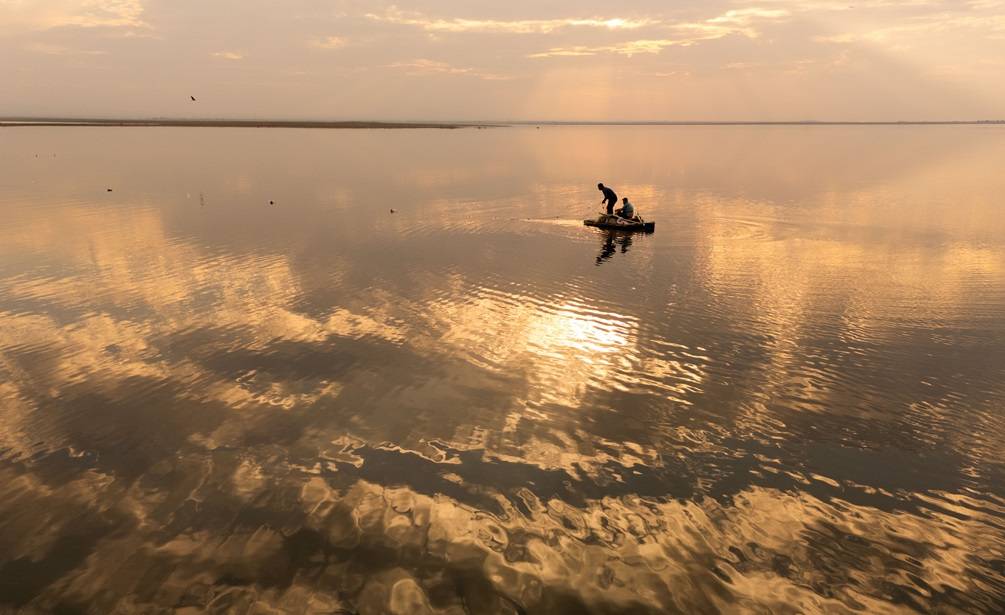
(349, 124)
(14, 122)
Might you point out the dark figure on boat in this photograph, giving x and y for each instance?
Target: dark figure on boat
(609, 197)
(627, 210)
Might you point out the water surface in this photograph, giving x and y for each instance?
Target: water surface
(787, 399)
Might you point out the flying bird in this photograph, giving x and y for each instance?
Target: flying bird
(192, 97)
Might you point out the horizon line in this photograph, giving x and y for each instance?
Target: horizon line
(14, 121)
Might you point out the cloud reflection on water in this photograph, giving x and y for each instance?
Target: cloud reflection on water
(743, 412)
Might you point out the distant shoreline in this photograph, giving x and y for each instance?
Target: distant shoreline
(17, 122)
(208, 123)
(765, 123)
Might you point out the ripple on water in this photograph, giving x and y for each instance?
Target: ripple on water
(781, 401)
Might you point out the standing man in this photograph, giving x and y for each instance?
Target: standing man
(609, 197)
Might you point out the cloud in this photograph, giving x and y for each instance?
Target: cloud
(668, 73)
(808, 6)
(423, 66)
(732, 22)
(227, 55)
(991, 27)
(60, 50)
(48, 14)
(629, 48)
(521, 26)
(793, 66)
(330, 42)
(736, 21)
(748, 15)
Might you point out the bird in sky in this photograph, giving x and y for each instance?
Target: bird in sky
(192, 97)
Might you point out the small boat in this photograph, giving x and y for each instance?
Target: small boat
(617, 223)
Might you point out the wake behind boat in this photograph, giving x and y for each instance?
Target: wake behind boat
(613, 222)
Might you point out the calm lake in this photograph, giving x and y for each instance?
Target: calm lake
(790, 398)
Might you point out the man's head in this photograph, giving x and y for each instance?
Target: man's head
(600, 186)
(625, 200)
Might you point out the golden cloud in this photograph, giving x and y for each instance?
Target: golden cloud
(520, 26)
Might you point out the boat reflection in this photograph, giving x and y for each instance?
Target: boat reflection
(612, 240)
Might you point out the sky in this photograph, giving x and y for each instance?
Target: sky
(765, 60)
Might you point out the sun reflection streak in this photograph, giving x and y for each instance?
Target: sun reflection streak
(562, 346)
